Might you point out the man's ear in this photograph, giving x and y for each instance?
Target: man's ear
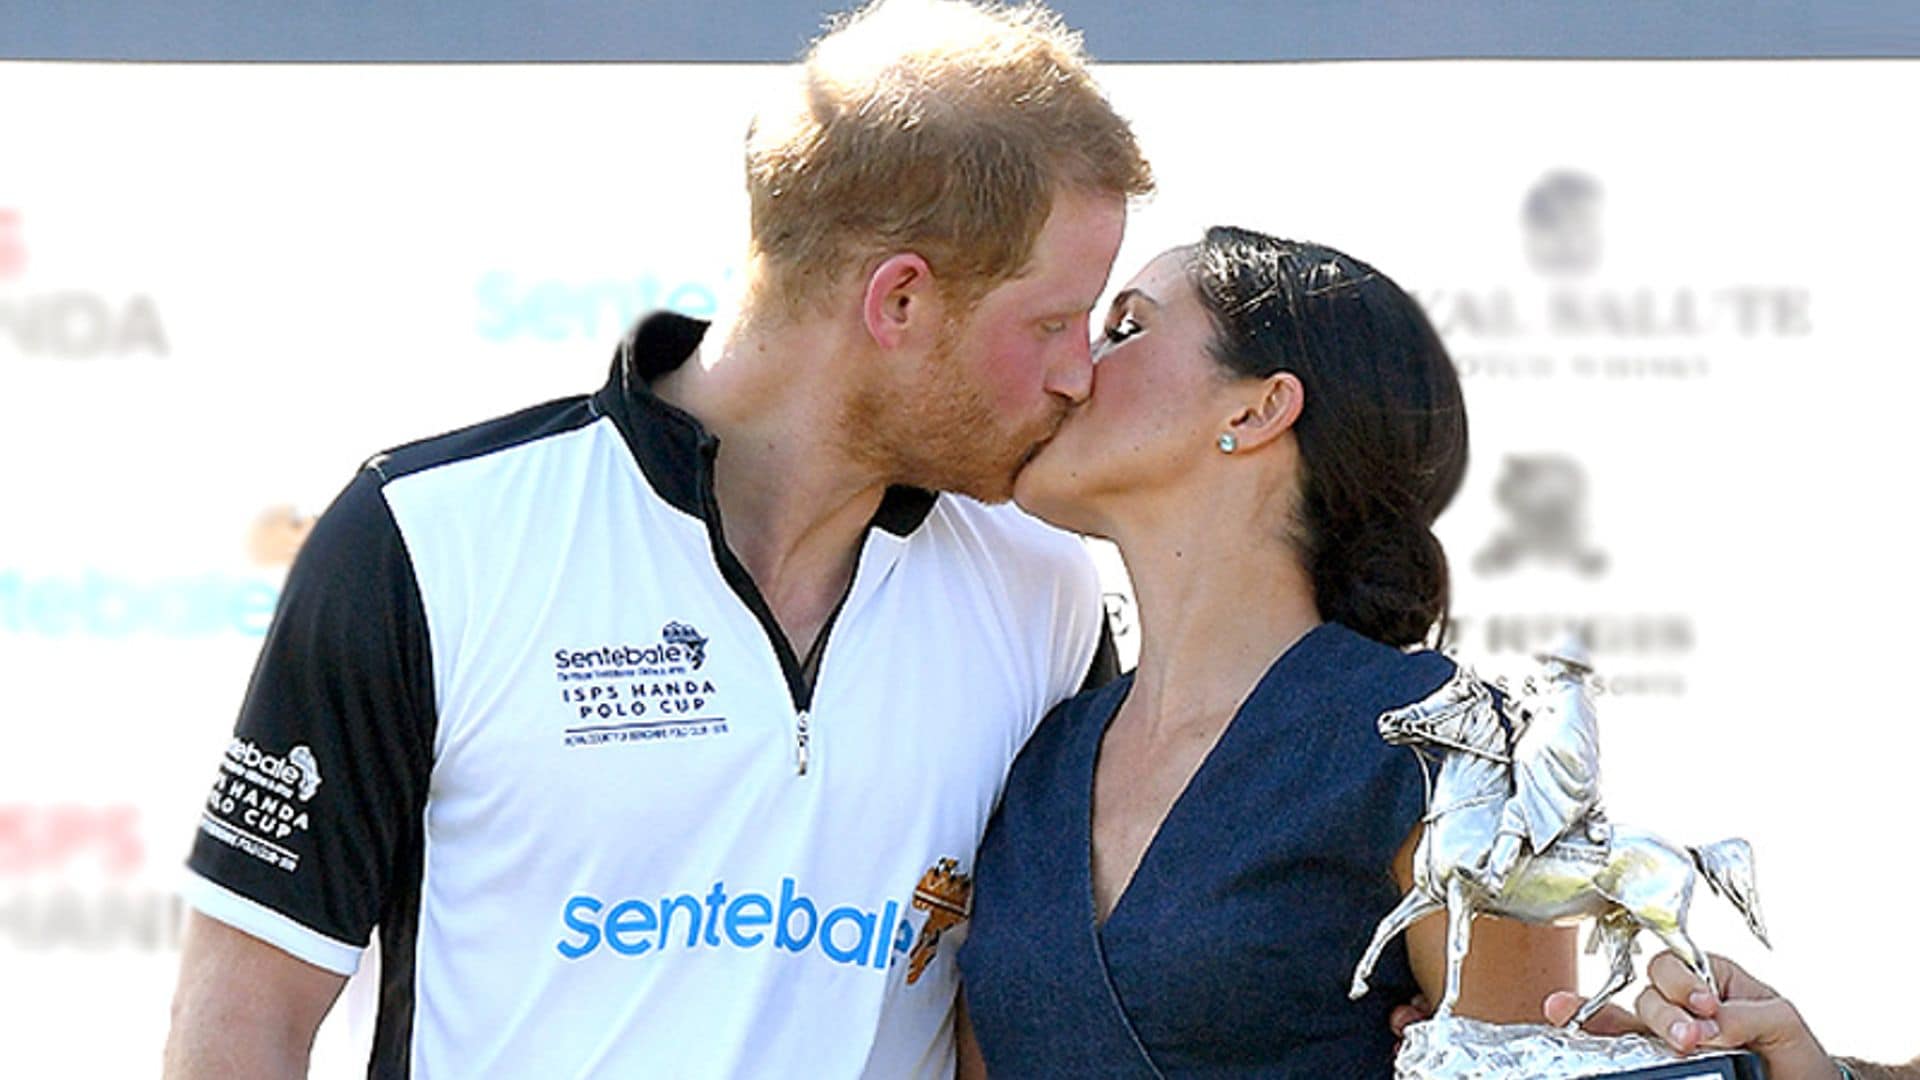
(899, 295)
(1274, 406)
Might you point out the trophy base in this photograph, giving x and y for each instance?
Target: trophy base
(1461, 1049)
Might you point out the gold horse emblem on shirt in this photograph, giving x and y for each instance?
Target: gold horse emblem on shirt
(947, 898)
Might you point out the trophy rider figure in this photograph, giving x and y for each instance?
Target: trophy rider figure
(1556, 767)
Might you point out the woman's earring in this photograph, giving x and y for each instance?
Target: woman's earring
(1228, 444)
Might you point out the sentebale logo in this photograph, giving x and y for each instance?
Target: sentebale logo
(791, 922)
(681, 647)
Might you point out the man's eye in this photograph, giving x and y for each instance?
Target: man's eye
(1122, 330)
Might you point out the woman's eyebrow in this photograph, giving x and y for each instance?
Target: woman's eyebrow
(1120, 299)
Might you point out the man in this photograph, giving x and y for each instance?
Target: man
(633, 721)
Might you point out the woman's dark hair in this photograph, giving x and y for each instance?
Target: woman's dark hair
(1382, 431)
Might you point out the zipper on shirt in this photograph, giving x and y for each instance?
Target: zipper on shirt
(742, 582)
(801, 673)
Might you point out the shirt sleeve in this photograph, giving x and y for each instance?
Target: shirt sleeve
(311, 832)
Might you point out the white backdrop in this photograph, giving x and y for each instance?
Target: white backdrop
(1689, 370)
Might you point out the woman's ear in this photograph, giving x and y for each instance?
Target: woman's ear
(899, 295)
(1275, 406)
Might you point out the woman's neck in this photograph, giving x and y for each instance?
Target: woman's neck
(1218, 603)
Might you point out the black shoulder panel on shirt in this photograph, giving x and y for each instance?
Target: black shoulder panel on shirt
(343, 690)
(486, 437)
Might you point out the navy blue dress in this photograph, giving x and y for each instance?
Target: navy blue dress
(1232, 948)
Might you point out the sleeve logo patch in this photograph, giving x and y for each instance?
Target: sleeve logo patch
(258, 802)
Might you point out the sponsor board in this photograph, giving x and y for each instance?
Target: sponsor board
(69, 323)
(1572, 321)
(105, 604)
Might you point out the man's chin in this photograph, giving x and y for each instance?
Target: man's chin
(976, 477)
(987, 485)
(996, 482)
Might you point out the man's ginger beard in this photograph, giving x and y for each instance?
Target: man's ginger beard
(938, 430)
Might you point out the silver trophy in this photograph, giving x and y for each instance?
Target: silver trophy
(1514, 828)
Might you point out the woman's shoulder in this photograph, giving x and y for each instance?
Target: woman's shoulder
(1052, 770)
(1088, 707)
(1071, 722)
(1373, 676)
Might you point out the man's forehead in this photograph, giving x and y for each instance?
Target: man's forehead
(1069, 287)
(1074, 254)
(1066, 270)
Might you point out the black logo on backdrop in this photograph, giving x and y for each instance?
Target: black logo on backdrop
(1544, 497)
(1575, 321)
(1562, 215)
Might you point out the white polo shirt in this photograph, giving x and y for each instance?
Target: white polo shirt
(523, 711)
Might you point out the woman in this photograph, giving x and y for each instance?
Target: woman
(1188, 862)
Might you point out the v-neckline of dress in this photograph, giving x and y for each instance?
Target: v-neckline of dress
(1092, 772)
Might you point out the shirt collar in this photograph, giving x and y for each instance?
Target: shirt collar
(673, 449)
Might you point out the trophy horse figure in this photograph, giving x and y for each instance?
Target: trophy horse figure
(1537, 789)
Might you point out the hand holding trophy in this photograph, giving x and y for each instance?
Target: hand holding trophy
(1514, 828)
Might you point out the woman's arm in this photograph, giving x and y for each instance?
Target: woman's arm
(971, 1065)
(1510, 968)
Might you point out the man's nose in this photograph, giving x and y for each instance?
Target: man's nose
(1070, 372)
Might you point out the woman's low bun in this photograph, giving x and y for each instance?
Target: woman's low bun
(1386, 579)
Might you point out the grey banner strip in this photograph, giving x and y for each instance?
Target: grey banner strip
(1116, 30)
